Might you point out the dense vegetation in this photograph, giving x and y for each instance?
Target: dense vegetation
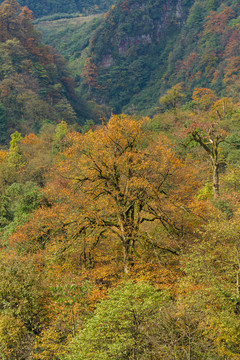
(120, 240)
(35, 85)
(71, 38)
(123, 207)
(142, 48)
(49, 7)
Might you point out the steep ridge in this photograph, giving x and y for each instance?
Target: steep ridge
(144, 47)
(135, 39)
(207, 52)
(35, 86)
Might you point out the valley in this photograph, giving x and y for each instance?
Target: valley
(119, 180)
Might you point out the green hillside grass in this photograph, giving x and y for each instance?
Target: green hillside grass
(70, 36)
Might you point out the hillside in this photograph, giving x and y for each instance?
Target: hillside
(142, 48)
(49, 7)
(134, 40)
(207, 52)
(119, 239)
(35, 85)
(70, 36)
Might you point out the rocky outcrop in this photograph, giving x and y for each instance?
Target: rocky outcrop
(132, 42)
(135, 24)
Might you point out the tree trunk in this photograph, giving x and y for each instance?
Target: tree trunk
(216, 180)
(125, 262)
(215, 166)
(128, 261)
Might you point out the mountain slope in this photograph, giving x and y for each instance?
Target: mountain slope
(135, 39)
(144, 47)
(35, 86)
(207, 53)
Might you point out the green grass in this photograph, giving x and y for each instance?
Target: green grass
(49, 27)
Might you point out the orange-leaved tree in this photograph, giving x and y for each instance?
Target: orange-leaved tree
(119, 193)
(125, 179)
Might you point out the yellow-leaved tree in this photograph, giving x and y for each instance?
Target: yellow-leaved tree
(124, 179)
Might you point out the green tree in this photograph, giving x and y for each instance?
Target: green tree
(138, 322)
(211, 284)
(14, 156)
(59, 138)
(210, 142)
(118, 328)
(23, 306)
(172, 98)
(17, 203)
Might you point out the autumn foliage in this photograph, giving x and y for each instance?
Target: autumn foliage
(119, 240)
(88, 212)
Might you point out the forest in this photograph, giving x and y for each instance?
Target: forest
(139, 52)
(60, 7)
(118, 222)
